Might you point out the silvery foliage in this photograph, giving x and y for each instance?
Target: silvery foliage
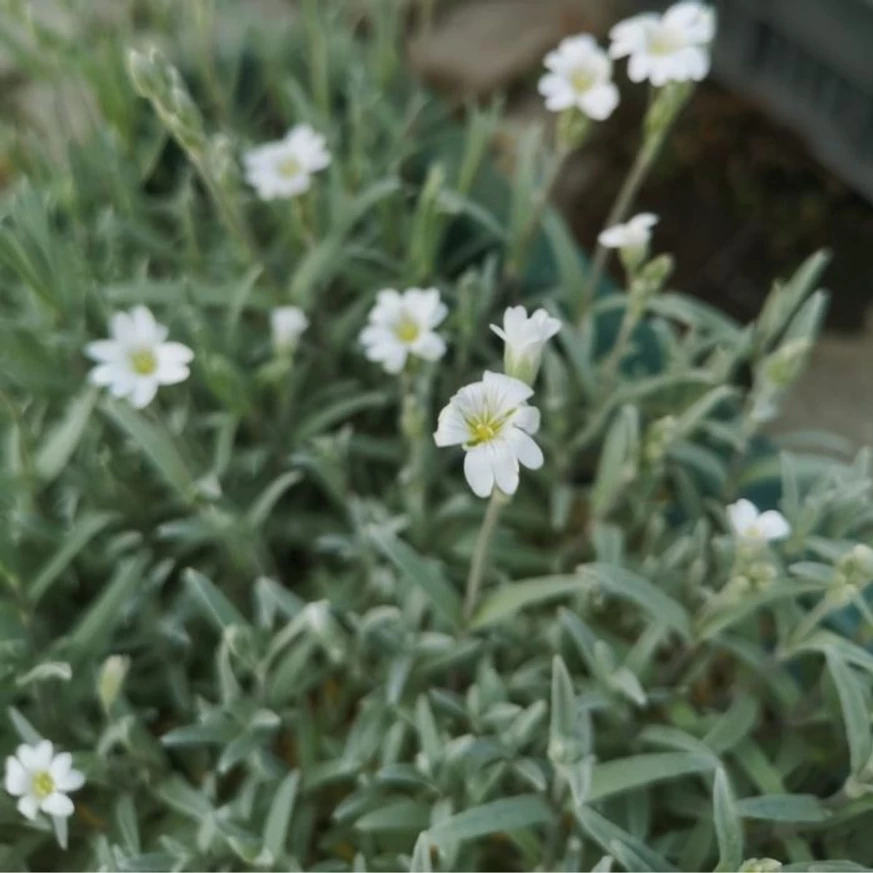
(242, 608)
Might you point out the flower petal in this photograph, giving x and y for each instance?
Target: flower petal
(478, 471)
(505, 466)
(143, 392)
(17, 779)
(526, 450)
(38, 757)
(773, 525)
(430, 346)
(600, 101)
(452, 429)
(742, 515)
(73, 781)
(28, 806)
(105, 351)
(57, 804)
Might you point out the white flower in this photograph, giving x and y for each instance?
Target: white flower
(403, 324)
(525, 336)
(673, 47)
(288, 324)
(750, 524)
(41, 780)
(493, 423)
(580, 76)
(634, 234)
(137, 360)
(285, 168)
(632, 239)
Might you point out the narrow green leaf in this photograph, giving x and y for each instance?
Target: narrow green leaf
(28, 733)
(511, 599)
(423, 574)
(783, 807)
(81, 533)
(728, 826)
(279, 817)
(98, 624)
(733, 727)
(500, 816)
(627, 585)
(637, 771)
(260, 510)
(57, 448)
(402, 815)
(630, 852)
(216, 607)
(157, 445)
(855, 717)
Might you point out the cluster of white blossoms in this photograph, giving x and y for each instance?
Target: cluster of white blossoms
(673, 47)
(283, 169)
(41, 780)
(137, 359)
(492, 419)
(752, 526)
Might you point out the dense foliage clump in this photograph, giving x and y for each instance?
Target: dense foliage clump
(248, 580)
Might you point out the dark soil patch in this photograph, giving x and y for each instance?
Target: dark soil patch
(742, 201)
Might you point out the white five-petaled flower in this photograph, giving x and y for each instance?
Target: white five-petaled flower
(401, 325)
(632, 239)
(41, 780)
(288, 324)
(580, 76)
(673, 47)
(492, 421)
(137, 359)
(750, 524)
(524, 337)
(285, 168)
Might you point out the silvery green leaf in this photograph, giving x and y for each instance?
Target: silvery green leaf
(401, 815)
(57, 670)
(625, 848)
(728, 825)
(499, 816)
(618, 461)
(854, 705)
(627, 774)
(783, 807)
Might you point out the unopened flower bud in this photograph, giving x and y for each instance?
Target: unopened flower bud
(782, 368)
(111, 678)
(525, 338)
(761, 865)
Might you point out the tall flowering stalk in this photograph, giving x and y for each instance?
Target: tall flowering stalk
(671, 52)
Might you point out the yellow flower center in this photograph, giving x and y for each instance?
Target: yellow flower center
(406, 330)
(484, 428)
(43, 784)
(289, 167)
(144, 362)
(582, 79)
(666, 40)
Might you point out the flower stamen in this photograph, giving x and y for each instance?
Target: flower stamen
(43, 784)
(289, 168)
(143, 362)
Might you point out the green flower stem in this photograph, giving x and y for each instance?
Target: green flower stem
(414, 426)
(522, 244)
(629, 321)
(641, 168)
(480, 553)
